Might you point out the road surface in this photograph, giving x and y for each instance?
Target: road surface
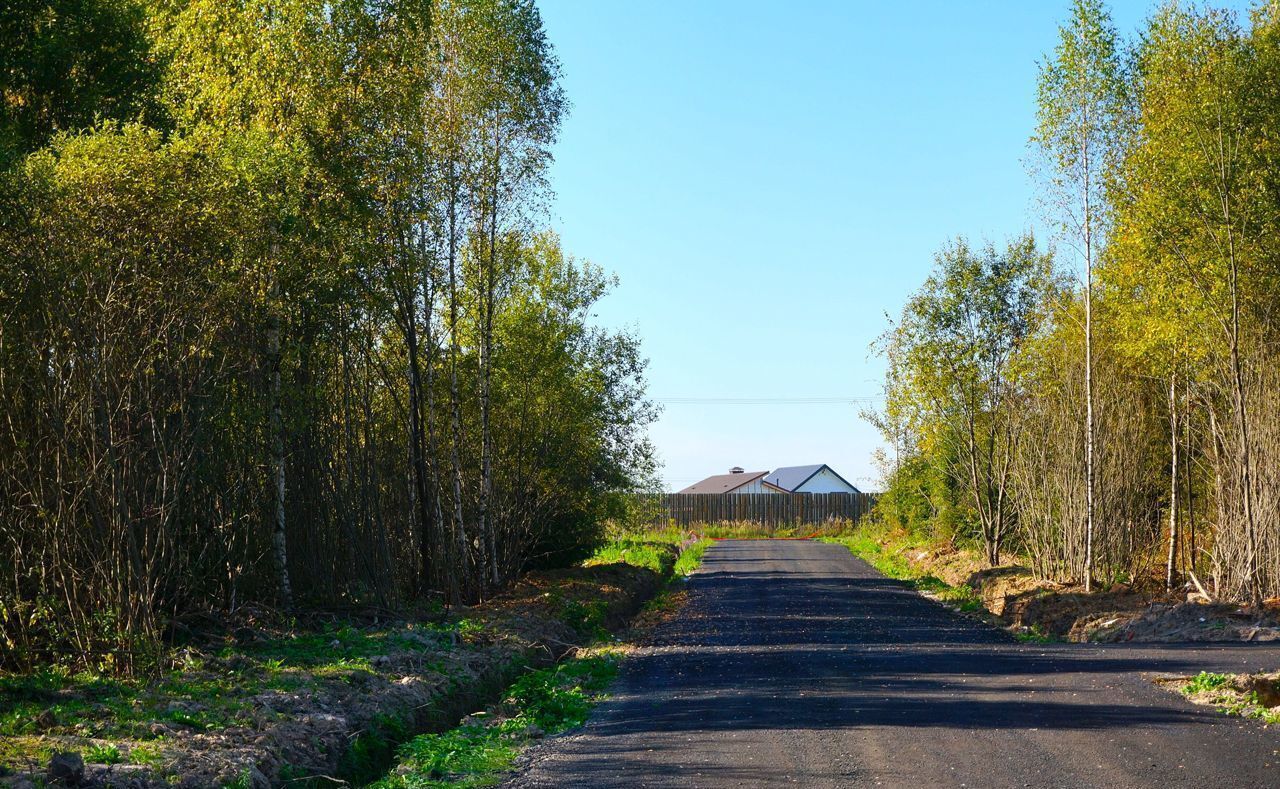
(795, 663)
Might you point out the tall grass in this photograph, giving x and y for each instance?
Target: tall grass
(884, 550)
(542, 702)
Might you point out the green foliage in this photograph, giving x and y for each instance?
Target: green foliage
(1224, 692)
(1081, 100)
(243, 781)
(1091, 430)
(645, 555)
(1034, 635)
(103, 754)
(463, 757)
(922, 498)
(340, 646)
(1167, 271)
(659, 556)
(297, 238)
(57, 701)
(373, 748)
(953, 384)
(874, 549)
(581, 386)
(67, 64)
(691, 556)
(884, 551)
(542, 702)
(586, 616)
(559, 698)
(665, 551)
(117, 716)
(146, 754)
(1206, 681)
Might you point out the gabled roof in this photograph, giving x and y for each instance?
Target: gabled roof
(790, 478)
(723, 483)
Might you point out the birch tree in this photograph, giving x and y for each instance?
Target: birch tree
(519, 106)
(1081, 101)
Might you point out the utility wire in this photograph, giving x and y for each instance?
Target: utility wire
(766, 400)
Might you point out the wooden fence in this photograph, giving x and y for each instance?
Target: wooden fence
(768, 509)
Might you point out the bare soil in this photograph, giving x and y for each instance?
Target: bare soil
(1031, 605)
(349, 720)
(1250, 695)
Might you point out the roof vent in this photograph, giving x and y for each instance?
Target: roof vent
(736, 470)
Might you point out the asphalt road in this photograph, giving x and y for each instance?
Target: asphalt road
(795, 663)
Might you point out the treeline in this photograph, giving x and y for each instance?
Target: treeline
(279, 324)
(1123, 425)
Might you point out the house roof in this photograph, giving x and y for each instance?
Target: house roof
(790, 478)
(723, 483)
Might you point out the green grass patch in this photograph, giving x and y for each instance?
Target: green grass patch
(749, 530)
(650, 554)
(1034, 635)
(147, 754)
(691, 557)
(116, 720)
(204, 694)
(347, 647)
(886, 556)
(586, 616)
(1206, 681)
(665, 551)
(1224, 692)
(548, 701)
(103, 754)
(27, 752)
(371, 751)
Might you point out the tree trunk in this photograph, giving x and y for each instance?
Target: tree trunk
(1242, 435)
(417, 453)
(280, 549)
(455, 406)
(1188, 475)
(435, 512)
(985, 520)
(1088, 380)
(486, 364)
(1173, 482)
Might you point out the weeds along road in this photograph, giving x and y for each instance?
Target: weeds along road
(795, 663)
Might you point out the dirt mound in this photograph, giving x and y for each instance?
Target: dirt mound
(1056, 612)
(1118, 614)
(1006, 591)
(1039, 608)
(945, 561)
(1166, 622)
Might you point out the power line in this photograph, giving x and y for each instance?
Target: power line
(767, 400)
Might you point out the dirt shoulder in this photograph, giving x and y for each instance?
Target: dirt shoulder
(265, 708)
(1249, 695)
(1038, 609)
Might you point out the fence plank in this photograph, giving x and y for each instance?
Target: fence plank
(770, 510)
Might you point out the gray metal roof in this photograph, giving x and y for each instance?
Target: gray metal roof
(791, 477)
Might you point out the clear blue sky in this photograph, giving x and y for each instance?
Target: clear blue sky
(769, 179)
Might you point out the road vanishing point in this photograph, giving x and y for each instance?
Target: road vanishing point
(795, 663)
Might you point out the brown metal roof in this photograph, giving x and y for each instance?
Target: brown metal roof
(723, 483)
